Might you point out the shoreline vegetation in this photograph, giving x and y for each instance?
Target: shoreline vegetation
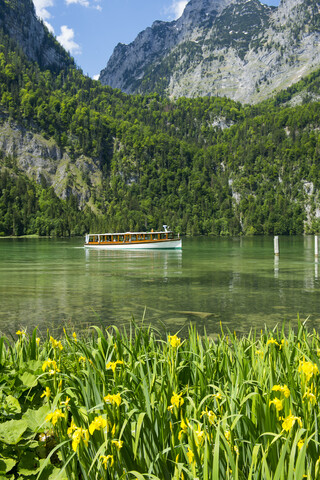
(138, 404)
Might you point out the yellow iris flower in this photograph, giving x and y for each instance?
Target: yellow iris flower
(99, 423)
(46, 393)
(113, 399)
(54, 416)
(105, 459)
(174, 341)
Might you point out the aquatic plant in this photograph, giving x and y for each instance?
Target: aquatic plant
(135, 404)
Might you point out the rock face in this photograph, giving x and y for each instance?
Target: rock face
(242, 49)
(43, 160)
(19, 21)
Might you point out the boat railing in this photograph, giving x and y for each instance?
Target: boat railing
(129, 237)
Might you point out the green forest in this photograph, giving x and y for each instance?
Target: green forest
(205, 166)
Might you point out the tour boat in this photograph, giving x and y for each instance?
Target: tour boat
(134, 240)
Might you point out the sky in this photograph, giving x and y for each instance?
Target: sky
(90, 29)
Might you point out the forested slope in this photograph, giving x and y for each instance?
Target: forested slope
(204, 166)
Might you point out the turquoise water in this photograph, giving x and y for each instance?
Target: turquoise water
(53, 283)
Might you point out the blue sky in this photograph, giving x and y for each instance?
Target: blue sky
(90, 29)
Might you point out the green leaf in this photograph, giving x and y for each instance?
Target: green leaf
(13, 404)
(58, 474)
(6, 464)
(11, 432)
(28, 379)
(28, 465)
(36, 418)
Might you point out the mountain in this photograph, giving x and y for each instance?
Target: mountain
(76, 156)
(18, 20)
(241, 49)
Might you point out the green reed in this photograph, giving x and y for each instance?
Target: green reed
(133, 404)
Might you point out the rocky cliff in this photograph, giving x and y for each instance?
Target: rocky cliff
(44, 161)
(18, 20)
(242, 49)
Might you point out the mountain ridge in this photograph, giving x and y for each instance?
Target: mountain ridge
(241, 49)
(18, 20)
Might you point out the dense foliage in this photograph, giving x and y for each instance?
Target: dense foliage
(115, 405)
(29, 208)
(205, 165)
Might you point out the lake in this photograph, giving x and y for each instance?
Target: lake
(236, 281)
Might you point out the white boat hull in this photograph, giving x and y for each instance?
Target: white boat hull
(171, 244)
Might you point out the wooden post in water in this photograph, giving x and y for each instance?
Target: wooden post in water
(316, 246)
(276, 245)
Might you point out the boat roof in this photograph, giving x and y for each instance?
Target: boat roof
(132, 233)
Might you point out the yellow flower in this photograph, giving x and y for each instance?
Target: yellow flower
(308, 369)
(105, 460)
(176, 401)
(184, 428)
(113, 431)
(46, 393)
(38, 341)
(174, 341)
(227, 434)
(117, 443)
(260, 352)
(199, 435)
(77, 434)
(210, 415)
(309, 395)
(277, 403)
(56, 343)
(82, 359)
(282, 389)
(99, 423)
(52, 364)
(113, 399)
(289, 421)
(71, 429)
(217, 396)
(300, 443)
(75, 336)
(113, 365)
(190, 455)
(272, 341)
(54, 416)
(65, 402)
(21, 333)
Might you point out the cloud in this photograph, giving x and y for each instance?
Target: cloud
(42, 12)
(177, 7)
(96, 77)
(83, 3)
(66, 38)
(49, 27)
(41, 8)
(86, 3)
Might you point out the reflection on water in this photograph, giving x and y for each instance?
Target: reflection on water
(237, 281)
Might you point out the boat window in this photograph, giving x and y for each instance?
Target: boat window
(170, 235)
(133, 238)
(115, 238)
(140, 237)
(147, 237)
(154, 236)
(109, 238)
(163, 236)
(121, 238)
